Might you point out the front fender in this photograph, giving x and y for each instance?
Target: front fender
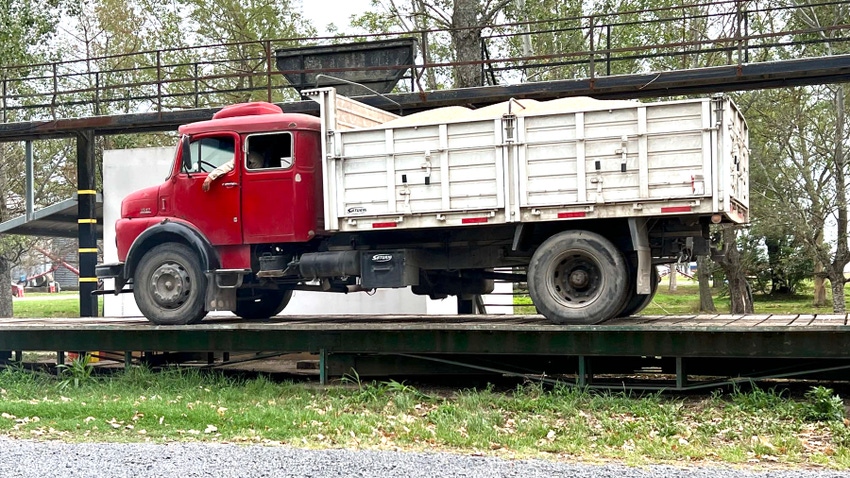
(171, 231)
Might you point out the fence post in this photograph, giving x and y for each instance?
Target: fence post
(197, 101)
(55, 90)
(746, 36)
(97, 93)
(592, 48)
(608, 49)
(159, 80)
(29, 194)
(268, 47)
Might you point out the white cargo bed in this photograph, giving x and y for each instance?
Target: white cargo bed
(531, 161)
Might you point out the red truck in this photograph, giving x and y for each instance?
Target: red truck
(578, 197)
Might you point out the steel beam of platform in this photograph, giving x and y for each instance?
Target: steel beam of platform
(809, 71)
(443, 335)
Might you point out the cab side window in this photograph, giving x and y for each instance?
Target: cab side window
(275, 149)
(210, 153)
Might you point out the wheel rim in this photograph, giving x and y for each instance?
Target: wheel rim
(575, 279)
(170, 285)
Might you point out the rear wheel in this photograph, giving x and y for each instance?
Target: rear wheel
(262, 303)
(169, 285)
(578, 277)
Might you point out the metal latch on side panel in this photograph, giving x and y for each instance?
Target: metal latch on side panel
(392, 268)
(509, 127)
(427, 167)
(624, 153)
(698, 184)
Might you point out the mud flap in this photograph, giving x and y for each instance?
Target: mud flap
(221, 289)
(640, 242)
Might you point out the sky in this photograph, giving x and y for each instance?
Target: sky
(322, 12)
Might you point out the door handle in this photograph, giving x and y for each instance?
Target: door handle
(229, 185)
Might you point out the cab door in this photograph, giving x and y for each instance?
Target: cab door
(268, 195)
(215, 212)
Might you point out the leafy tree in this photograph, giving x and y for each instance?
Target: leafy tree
(549, 28)
(798, 171)
(799, 162)
(464, 20)
(413, 18)
(249, 22)
(25, 27)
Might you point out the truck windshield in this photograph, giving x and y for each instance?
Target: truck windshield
(210, 153)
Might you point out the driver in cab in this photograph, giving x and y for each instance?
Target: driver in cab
(255, 161)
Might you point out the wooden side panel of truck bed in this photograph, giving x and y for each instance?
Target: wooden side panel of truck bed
(542, 161)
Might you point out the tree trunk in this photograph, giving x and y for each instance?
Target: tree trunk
(819, 286)
(466, 40)
(6, 309)
(842, 252)
(740, 294)
(778, 281)
(673, 272)
(837, 283)
(706, 302)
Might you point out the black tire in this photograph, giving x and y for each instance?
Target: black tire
(262, 304)
(638, 302)
(578, 278)
(169, 285)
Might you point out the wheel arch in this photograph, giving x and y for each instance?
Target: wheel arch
(616, 230)
(171, 232)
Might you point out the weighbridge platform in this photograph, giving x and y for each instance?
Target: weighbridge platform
(688, 351)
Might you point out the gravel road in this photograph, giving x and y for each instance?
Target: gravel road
(24, 458)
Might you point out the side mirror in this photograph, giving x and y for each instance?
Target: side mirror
(185, 154)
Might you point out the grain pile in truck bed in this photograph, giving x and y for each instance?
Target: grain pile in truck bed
(523, 107)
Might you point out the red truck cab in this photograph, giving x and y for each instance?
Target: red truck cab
(275, 198)
(275, 202)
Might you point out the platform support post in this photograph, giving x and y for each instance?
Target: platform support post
(585, 373)
(19, 356)
(87, 222)
(60, 357)
(323, 367)
(681, 374)
(128, 360)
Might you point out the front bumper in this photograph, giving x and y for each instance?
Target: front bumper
(108, 271)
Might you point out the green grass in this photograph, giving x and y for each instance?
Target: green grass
(685, 300)
(63, 304)
(562, 423)
(529, 421)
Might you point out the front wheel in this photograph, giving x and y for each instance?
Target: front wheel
(578, 278)
(169, 285)
(262, 304)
